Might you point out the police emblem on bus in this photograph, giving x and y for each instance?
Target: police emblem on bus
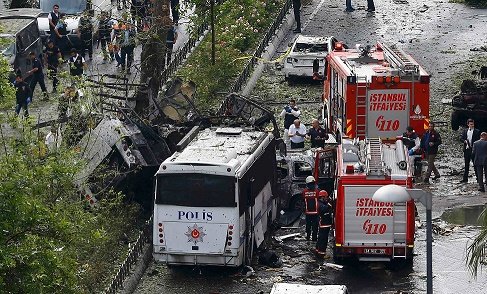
(195, 234)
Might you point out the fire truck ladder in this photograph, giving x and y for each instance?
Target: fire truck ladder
(374, 162)
(399, 229)
(398, 58)
(361, 106)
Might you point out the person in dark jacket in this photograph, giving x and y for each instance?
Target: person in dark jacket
(76, 64)
(37, 75)
(127, 46)
(479, 153)
(325, 212)
(85, 33)
(22, 95)
(469, 136)
(104, 31)
(171, 37)
(52, 55)
(430, 142)
(297, 16)
(53, 18)
(317, 134)
(310, 196)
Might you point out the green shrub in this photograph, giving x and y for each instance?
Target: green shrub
(240, 25)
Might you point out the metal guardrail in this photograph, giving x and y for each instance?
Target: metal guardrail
(132, 256)
(183, 52)
(247, 71)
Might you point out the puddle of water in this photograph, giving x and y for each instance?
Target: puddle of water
(468, 215)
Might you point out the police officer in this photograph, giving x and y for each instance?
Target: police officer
(104, 31)
(76, 64)
(85, 33)
(127, 46)
(53, 18)
(290, 113)
(22, 95)
(52, 55)
(325, 213)
(37, 75)
(171, 38)
(310, 195)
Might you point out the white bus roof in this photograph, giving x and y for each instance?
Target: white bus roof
(287, 288)
(220, 147)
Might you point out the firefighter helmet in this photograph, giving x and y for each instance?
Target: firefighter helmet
(310, 179)
(323, 194)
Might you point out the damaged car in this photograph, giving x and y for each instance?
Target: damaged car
(307, 57)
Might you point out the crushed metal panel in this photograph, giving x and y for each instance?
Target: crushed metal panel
(210, 147)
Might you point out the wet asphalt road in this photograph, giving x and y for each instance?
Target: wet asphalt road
(439, 35)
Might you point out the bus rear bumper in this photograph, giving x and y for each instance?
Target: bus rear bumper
(197, 259)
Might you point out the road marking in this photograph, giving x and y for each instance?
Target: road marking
(315, 11)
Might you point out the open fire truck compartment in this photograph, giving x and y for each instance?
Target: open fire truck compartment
(367, 229)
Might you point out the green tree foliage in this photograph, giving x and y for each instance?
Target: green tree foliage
(240, 25)
(51, 240)
(7, 91)
(477, 251)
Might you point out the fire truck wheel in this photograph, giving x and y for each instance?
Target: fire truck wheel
(296, 203)
(455, 121)
(337, 259)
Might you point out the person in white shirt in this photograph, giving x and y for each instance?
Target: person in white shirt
(53, 139)
(297, 133)
(469, 136)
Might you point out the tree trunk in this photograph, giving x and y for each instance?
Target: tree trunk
(154, 52)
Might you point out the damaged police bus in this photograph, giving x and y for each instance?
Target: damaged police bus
(215, 198)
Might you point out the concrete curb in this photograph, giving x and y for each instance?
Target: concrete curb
(269, 52)
(130, 284)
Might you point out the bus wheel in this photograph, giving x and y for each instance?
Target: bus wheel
(296, 203)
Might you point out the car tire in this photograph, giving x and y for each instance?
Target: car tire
(455, 121)
(290, 81)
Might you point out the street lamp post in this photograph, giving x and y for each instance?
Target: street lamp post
(395, 194)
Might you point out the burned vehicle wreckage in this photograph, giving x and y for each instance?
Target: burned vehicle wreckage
(123, 152)
(471, 102)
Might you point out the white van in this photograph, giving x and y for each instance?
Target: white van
(286, 288)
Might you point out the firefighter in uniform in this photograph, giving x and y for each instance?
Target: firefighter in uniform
(310, 195)
(325, 213)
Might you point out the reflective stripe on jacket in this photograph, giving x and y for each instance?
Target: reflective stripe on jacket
(310, 201)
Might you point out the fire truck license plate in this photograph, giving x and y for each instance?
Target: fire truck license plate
(374, 251)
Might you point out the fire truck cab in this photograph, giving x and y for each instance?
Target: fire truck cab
(375, 92)
(364, 228)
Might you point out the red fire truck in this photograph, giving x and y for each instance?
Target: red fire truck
(370, 96)
(375, 92)
(364, 228)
